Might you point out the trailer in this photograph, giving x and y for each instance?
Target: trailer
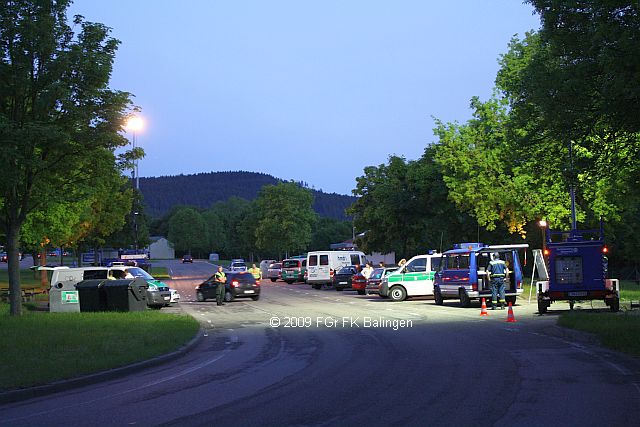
(578, 269)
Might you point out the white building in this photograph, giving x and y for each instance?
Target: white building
(161, 248)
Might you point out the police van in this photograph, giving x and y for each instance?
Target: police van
(322, 265)
(415, 278)
(463, 273)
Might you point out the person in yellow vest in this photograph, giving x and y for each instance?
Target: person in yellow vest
(220, 278)
(255, 271)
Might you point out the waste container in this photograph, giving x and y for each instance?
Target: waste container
(63, 297)
(92, 296)
(126, 294)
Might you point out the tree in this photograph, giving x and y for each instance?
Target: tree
(59, 121)
(232, 213)
(188, 231)
(328, 231)
(285, 218)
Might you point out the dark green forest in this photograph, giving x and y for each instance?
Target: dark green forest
(204, 189)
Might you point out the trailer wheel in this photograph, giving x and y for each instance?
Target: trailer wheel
(614, 306)
(542, 306)
(437, 297)
(465, 302)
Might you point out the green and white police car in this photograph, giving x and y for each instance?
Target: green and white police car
(413, 279)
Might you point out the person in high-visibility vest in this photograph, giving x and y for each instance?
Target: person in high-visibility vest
(220, 278)
(255, 271)
(497, 272)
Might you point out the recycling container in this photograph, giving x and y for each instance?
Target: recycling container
(91, 295)
(126, 294)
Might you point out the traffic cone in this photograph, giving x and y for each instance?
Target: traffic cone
(483, 312)
(510, 317)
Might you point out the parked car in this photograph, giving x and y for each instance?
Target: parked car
(375, 281)
(275, 271)
(264, 266)
(175, 297)
(359, 283)
(4, 257)
(342, 279)
(293, 270)
(237, 265)
(187, 258)
(239, 284)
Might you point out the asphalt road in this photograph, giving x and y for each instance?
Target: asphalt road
(326, 365)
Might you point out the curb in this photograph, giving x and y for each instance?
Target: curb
(12, 396)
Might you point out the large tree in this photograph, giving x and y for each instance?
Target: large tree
(59, 121)
(285, 218)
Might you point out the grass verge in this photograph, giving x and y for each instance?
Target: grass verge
(39, 348)
(618, 331)
(160, 273)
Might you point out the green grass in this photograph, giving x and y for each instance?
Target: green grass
(619, 331)
(629, 290)
(27, 278)
(160, 273)
(40, 347)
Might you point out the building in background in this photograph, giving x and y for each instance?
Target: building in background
(161, 248)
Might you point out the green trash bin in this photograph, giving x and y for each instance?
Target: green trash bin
(126, 294)
(91, 295)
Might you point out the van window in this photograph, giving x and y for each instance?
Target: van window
(355, 259)
(417, 265)
(324, 259)
(290, 263)
(435, 264)
(304, 262)
(94, 274)
(313, 260)
(457, 262)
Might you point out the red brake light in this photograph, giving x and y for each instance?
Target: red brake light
(257, 282)
(234, 284)
(474, 286)
(546, 252)
(605, 249)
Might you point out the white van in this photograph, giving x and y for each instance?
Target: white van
(413, 279)
(321, 265)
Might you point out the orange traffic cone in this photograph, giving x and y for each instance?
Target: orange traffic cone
(510, 317)
(483, 312)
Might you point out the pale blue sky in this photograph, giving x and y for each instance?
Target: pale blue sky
(304, 90)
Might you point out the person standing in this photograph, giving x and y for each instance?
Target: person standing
(221, 279)
(255, 271)
(367, 271)
(497, 273)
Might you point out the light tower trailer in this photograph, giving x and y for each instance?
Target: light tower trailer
(578, 268)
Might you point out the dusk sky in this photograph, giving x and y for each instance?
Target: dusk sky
(312, 91)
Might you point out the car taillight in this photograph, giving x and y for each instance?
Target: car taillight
(331, 272)
(235, 284)
(474, 286)
(257, 282)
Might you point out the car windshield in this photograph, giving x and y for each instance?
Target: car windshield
(138, 272)
(276, 266)
(377, 273)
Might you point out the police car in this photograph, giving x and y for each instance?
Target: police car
(415, 278)
(463, 273)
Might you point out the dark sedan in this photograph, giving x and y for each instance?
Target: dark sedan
(373, 287)
(239, 284)
(187, 258)
(342, 279)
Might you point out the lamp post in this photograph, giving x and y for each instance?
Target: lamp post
(135, 230)
(543, 227)
(135, 124)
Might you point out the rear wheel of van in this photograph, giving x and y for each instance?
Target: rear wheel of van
(464, 299)
(317, 286)
(361, 292)
(437, 297)
(397, 293)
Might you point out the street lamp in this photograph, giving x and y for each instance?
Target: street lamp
(543, 226)
(135, 229)
(135, 124)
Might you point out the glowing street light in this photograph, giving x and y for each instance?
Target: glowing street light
(135, 124)
(543, 226)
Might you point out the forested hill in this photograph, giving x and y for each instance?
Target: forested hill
(203, 189)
